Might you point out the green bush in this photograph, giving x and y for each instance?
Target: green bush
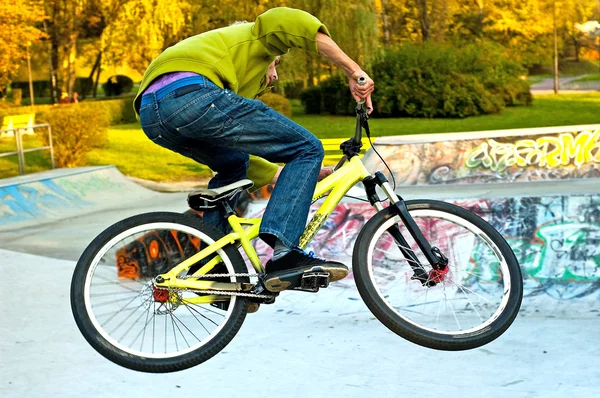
(311, 100)
(440, 80)
(117, 85)
(118, 111)
(293, 89)
(76, 130)
(115, 111)
(335, 96)
(278, 103)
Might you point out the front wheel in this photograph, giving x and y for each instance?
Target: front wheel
(471, 304)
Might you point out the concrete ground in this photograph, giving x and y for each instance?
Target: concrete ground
(305, 345)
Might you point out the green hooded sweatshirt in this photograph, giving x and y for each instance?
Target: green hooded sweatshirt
(237, 58)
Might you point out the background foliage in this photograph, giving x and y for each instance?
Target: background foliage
(101, 34)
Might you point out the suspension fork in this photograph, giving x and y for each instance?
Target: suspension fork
(434, 256)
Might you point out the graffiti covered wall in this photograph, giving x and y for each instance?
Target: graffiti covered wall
(549, 154)
(556, 239)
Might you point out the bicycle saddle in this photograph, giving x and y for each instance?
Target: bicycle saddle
(205, 198)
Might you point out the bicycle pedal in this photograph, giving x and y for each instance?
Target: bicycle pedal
(312, 281)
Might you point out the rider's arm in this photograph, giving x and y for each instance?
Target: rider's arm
(330, 50)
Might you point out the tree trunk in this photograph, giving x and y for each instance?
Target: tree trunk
(54, 45)
(88, 84)
(310, 70)
(99, 61)
(481, 16)
(73, 34)
(423, 19)
(386, 24)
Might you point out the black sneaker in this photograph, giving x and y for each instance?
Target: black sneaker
(287, 271)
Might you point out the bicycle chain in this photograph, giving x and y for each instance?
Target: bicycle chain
(221, 292)
(216, 276)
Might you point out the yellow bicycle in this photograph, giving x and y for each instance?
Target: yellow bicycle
(162, 292)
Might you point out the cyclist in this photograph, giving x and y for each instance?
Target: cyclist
(196, 98)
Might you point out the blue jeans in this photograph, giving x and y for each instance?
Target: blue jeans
(218, 128)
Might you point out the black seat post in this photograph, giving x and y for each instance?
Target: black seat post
(228, 210)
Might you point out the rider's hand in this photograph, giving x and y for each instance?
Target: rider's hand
(362, 92)
(325, 171)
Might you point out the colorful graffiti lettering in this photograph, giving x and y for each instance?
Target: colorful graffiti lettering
(547, 156)
(547, 151)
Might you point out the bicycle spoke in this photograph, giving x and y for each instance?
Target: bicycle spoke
(114, 293)
(131, 327)
(165, 331)
(123, 321)
(120, 283)
(153, 326)
(202, 315)
(183, 324)
(111, 313)
(174, 334)
(204, 307)
(118, 312)
(201, 324)
(469, 290)
(451, 306)
(143, 331)
(469, 300)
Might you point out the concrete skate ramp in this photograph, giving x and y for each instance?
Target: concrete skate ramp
(57, 213)
(64, 193)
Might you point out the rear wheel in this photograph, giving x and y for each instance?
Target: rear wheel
(132, 323)
(473, 301)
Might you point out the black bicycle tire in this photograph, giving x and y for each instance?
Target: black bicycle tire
(411, 332)
(143, 364)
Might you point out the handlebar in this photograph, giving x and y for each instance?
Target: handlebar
(352, 146)
(361, 111)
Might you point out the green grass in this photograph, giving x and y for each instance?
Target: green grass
(135, 155)
(34, 161)
(547, 110)
(589, 78)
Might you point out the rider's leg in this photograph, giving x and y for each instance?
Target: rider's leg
(221, 118)
(230, 166)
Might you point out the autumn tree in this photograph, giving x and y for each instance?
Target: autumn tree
(20, 22)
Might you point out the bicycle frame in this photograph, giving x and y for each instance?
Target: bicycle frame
(337, 184)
